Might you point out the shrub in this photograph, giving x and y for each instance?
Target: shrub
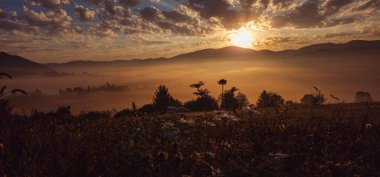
(205, 103)
(313, 99)
(269, 99)
(146, 109)
(363, 97)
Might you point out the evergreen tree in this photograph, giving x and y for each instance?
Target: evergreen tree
(161, 99)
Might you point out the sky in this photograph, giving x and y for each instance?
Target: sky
(50, 31)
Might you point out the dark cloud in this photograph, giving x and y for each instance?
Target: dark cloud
(84, 14)
(3, 14)
(333, 6)
(177, 29)
(374, 4)
(129, 3)
(231, 16)
(304, 16)
(150, 13)
(8, 25)
(176, 16)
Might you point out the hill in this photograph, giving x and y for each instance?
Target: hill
(17, 65)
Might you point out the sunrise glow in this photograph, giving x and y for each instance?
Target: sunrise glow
(242, 38)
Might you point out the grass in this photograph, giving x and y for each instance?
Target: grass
(332, 140)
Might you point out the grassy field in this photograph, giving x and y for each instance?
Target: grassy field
(330, 140)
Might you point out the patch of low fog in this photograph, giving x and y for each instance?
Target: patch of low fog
(291, 78)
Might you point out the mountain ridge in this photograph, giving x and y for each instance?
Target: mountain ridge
(354, 48)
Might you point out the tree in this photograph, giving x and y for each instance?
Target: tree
(206, 103)
(232, 101)
(269, 99)
(242, 100)
(161, 99)
(229, 102)
(222, 82)
(203, 99)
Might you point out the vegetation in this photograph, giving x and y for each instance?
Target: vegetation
(106, 87)
(303, 142)
(233, 102)
(314, 99)
(269, 99)
(326, 140)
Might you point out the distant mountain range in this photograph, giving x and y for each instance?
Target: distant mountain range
(356, 48)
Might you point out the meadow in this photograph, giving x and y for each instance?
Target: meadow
(327, 140)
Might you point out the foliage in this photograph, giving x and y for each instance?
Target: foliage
(94, 115)
(269, 99)
(205, 103)
(125, 113)
(313, 99)
(306, 144)
(5, 107)
(242, 100)
(232, 101)
(146, 109)
(161, 99)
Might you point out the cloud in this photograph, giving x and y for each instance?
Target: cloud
(49, 4)
(130, 3)
(84, 14)
(151, 14)
(9, 25)
(3, 14)
(53, 22)
(175, 16)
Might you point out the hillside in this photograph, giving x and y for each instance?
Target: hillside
(15, 65)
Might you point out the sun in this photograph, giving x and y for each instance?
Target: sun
(242, 38)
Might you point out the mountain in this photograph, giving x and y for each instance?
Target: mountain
(17, 65)
(356, 49)
(353, 48)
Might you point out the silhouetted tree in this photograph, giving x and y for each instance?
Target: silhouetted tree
(232, 101)
(161, 99)
(174, 102)
(242, 100)
(206, 103)
(229, 102)
(269, 99)
(203, 100)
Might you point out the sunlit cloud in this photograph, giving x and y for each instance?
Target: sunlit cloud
(121, 22)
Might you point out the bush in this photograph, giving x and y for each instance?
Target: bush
(205, 103)
(269, 99)
(95, 115)
(146, 109)
(313, 99)
(124, 113)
